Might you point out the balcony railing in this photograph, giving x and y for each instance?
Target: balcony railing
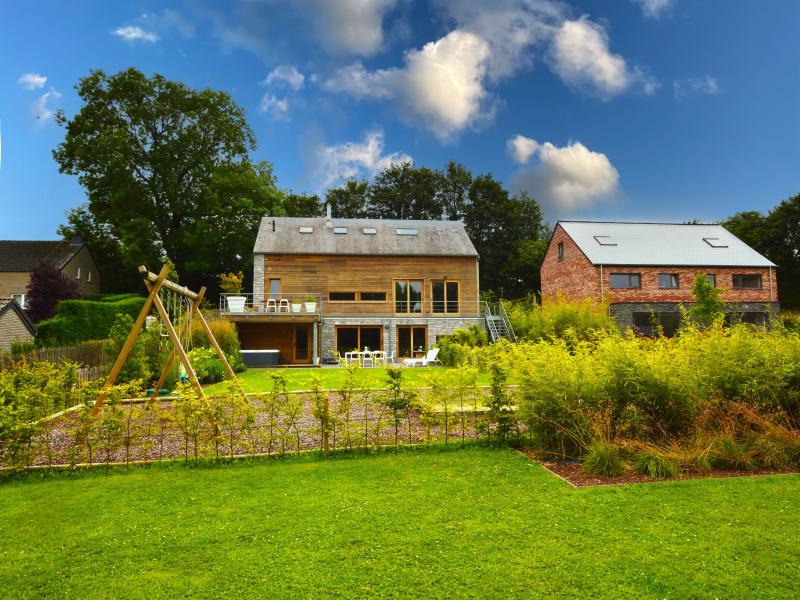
(285, 304)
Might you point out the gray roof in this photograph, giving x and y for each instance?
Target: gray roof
(23, 255)
(11, 304)
(662, 244)
(432, 238)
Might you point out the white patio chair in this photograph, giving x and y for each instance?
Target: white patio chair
(430, 358)
(380, 357)
(368, 359)
(390, 359)
(272, 306)
(283, 306)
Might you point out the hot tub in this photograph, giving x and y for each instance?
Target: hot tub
(261, 358)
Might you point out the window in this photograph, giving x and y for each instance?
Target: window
(712, 279)
(306, 230)
(747, 282)
(715, 242)
(408, 296)
(275, 288)
(358, 337)
(372, 296)
(668, 281)
(560, 250)
(342, 296)
(626, 280)
(604, 240)
(406, 231)
(340, 230)
(20, 298)
(412, 340)
(369, 231)
(647, 323)
(89, 277)
(78, 273)
(444, 296)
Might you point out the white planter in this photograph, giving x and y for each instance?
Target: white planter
(296, 308)
(311, 307)
(236, 303)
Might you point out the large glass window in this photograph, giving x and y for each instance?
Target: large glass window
(412, 340)
(359, 337)
(444, 296)
(408, 296)
(712, 279)
(646, 323)
(668, 281)
(747, 282)
(626, 280)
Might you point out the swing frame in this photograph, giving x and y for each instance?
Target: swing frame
(154, 284)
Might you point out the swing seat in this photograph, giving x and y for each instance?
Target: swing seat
(161, 392)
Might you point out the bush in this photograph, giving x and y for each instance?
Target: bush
(729, 453)
(137, 366)
(81, 320)
(603, 460)
(456, 349)
(655, 465)
(225, 333)
(207, 365)
(559, 318)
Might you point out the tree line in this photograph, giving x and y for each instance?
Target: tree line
(168, 175)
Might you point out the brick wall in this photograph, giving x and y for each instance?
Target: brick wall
(574, 276)
(12, 329)
(13, 283)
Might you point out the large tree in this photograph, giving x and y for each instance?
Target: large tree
(166, 173)
(350, 200)
(405, 192)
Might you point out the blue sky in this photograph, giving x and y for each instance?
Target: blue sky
(633, 109)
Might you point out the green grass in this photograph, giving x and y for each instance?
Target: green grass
(259, 380)
(470, 523)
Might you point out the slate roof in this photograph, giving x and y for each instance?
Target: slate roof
(11, 304)
(23, 255)
(432, 238)
(662, 244)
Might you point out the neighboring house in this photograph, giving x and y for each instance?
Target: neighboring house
(647, 269)
(18, 258)
(15, 326)
(381, 284)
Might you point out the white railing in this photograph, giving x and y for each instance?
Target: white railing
(286, 304)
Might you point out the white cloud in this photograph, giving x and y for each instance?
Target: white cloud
(441, 85)
(565, 179)
(521, 148)
(134, 33)
(707, 85)
(277, 109)
(354, 159)
(349, 27)
(581, 57)
(41, 112)
(166, 21)
(653, 9)
(287, 74)
(32, 81)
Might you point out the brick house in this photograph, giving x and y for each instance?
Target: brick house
(15, 326)
(19, 257)
(325, 285)
(644, 270)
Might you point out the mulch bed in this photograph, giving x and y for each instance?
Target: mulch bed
(572, 472)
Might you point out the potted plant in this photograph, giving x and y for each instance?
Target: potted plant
(297, 306)
(311, 304)
(231, 286)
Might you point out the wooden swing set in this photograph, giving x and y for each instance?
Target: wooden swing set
(157, 284)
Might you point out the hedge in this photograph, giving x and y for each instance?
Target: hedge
(76, 321)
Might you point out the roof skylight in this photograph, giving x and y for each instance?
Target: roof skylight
(715, 242)
(406, 231)
(306, 230)
(340, 230)
(369, 231)
(604, 240)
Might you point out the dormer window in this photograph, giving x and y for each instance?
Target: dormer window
(715, 242)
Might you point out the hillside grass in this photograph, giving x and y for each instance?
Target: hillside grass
(477, 522)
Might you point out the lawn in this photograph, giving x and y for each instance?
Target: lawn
(259, 380)
(427, 523)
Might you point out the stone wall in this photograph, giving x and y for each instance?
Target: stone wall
(623, 311)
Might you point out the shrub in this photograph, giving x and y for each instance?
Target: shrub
(456, 349)
(656, 465)
(559, 318)
(225, 333)
(729, 453)
(47, 286)
(207, 365)
(136, 366)
(80, 320)
(603, 460)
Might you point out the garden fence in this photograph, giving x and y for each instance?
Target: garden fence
(89, 355)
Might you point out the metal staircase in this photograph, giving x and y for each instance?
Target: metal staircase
(497, 323)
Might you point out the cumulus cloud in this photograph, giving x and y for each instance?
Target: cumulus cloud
(349, 27)
(581, 57)
(276, 109)
(354, 159)
(707, 85)
(134, 33)
(286, 74)
(441, 85)
(32, 81)
(521, 148)
(653, 9)
(569, 178)
(40, 109)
